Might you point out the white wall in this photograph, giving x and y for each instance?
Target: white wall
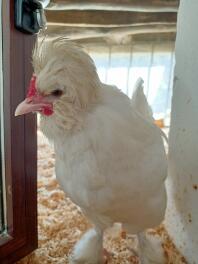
(182, 212)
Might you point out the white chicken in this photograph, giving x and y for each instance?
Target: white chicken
(110, 157)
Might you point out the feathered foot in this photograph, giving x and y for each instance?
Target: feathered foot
(150, 249)
(88, 249)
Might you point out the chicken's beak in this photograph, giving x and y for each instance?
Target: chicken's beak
(34, 104)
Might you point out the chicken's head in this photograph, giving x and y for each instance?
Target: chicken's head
(63, 75)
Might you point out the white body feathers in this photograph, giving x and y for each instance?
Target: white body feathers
(114, 167)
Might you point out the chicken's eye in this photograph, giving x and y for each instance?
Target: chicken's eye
(57, 92)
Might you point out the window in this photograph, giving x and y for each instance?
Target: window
(121, 65)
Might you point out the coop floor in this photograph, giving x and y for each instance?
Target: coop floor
(61, 223)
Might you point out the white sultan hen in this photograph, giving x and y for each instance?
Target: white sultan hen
(110, 157)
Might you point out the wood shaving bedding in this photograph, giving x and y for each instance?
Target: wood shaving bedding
(61, 223)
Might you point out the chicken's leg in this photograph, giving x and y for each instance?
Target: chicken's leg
(89, 249)
(150, 249)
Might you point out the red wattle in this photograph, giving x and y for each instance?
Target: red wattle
(47, 111)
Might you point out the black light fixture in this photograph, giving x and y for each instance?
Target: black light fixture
(29, 16)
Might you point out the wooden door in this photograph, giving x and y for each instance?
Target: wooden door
(20, 147)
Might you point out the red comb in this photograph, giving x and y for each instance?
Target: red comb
(32, 92)
(32, 87)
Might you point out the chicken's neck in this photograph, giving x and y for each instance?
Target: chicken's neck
(68, 118)
(61, 123)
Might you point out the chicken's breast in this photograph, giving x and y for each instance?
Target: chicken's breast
(115, 167)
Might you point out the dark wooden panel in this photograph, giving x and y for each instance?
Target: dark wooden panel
(20, 143)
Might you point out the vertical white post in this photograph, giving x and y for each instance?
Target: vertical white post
(182, 212)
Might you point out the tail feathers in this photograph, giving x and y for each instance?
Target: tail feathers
(139, 101)
(141, 105)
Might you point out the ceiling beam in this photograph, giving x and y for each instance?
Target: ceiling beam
(117, 5)
(107, 18)
(76, 33)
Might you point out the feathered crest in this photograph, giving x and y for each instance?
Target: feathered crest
(47, 48)
(62, 56)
